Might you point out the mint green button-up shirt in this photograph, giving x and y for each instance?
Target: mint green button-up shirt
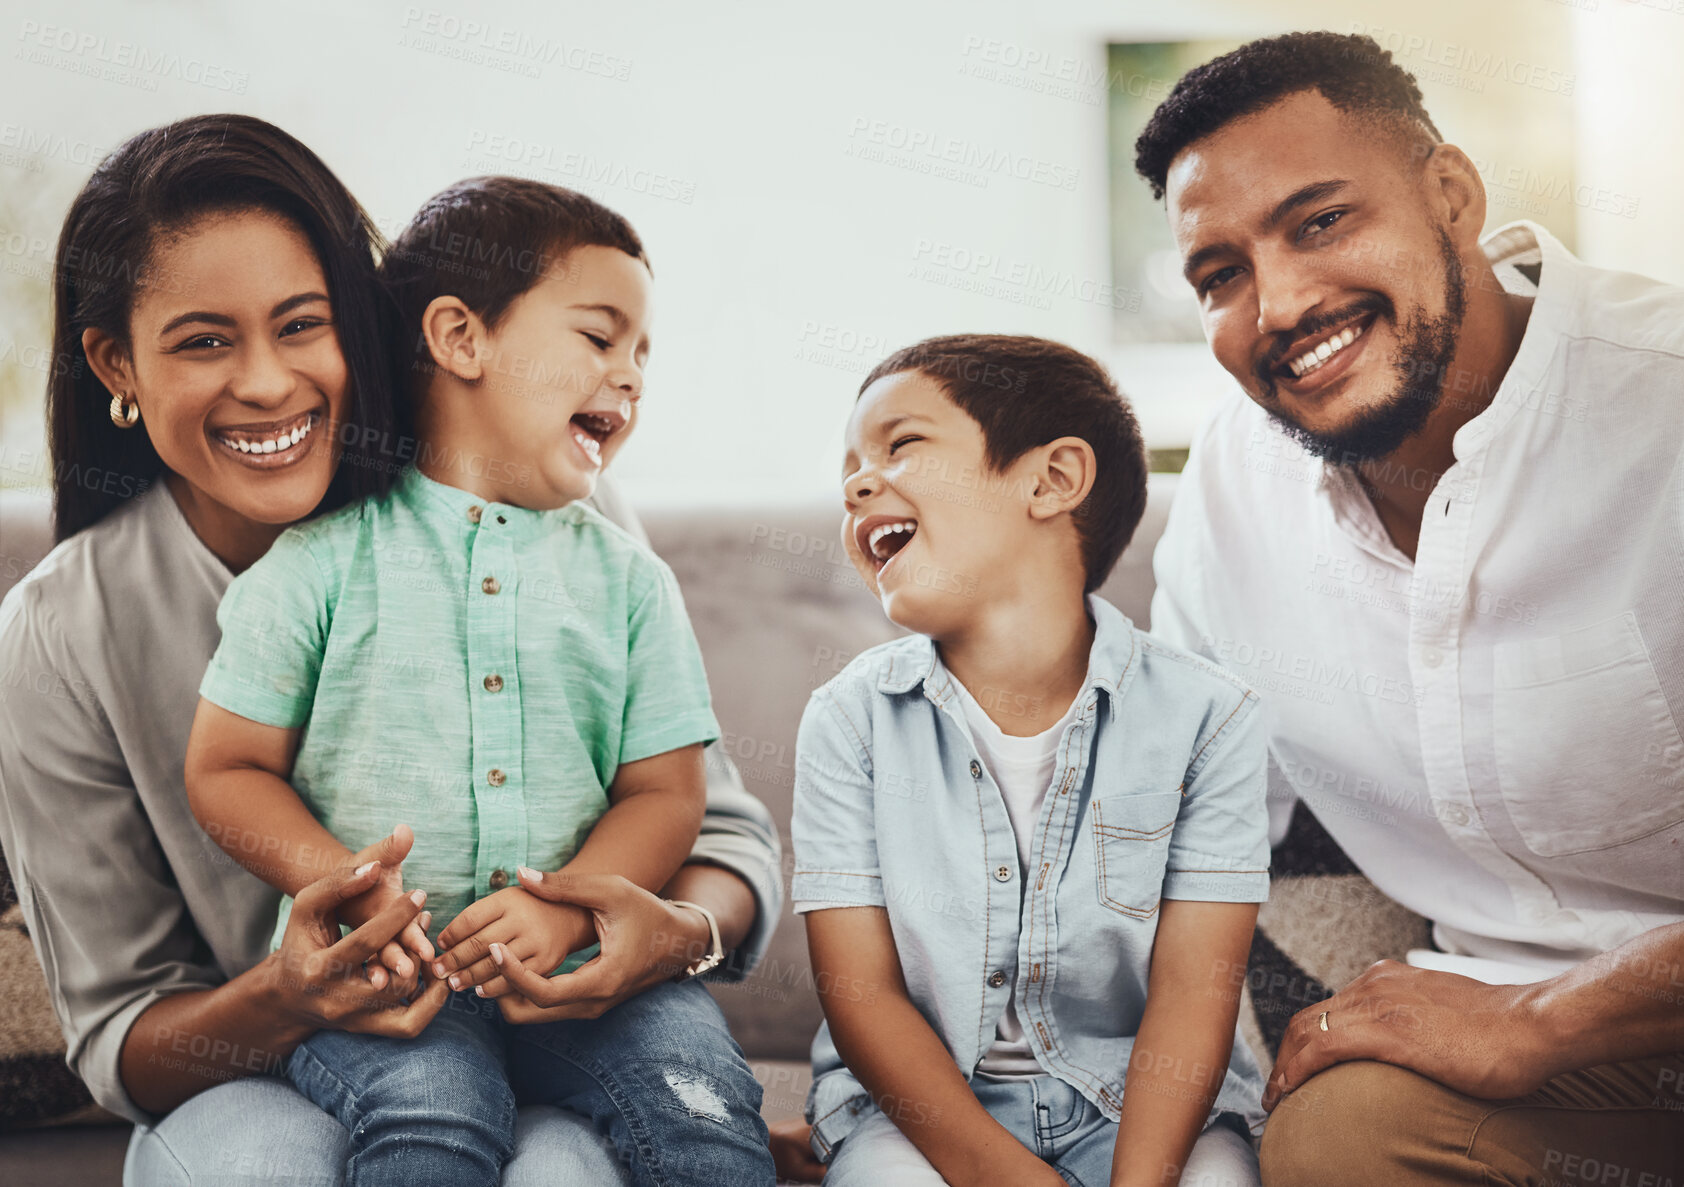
(476, 670)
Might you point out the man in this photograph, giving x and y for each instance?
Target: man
(1444, 538)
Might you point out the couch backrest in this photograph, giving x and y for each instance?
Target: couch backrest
(26, 534)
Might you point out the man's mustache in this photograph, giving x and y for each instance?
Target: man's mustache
(1375, 303)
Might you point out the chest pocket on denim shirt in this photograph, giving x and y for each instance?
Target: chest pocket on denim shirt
(1131, 842)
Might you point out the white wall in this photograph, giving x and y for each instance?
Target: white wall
(786, 261)
(1629, 55)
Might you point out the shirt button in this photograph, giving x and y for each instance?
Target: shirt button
(499, 879)
(490, 585)
(1456, 814)
(1003, 874)
(474, 513)
(1431, 657)
(494, 683)
(495, 777)
(996, 978)
(976, 769)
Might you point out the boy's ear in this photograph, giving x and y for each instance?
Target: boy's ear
(1060, 476)
(456, 338)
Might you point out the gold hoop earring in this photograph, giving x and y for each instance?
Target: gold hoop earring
(125, 413)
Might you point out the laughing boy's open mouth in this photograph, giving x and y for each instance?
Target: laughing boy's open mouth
(880, 538)
(591, 431)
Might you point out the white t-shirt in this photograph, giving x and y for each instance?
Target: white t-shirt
(1023, 769)
(1490, 730)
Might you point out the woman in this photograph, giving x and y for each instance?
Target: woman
(214, 276)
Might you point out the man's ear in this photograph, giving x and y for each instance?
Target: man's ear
(110, 362)
(1458, 192)
(456, 338)
(1060, 476)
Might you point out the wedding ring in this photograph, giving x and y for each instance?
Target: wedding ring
(1323, 1020)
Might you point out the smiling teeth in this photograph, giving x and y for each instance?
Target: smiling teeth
(1312, 359)
(277, 444)
(888, 529)
(588, 443)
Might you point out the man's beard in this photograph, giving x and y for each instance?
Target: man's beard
(1422, 365)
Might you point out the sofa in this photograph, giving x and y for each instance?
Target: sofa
(778, 610)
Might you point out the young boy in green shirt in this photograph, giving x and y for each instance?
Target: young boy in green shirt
(488, 657)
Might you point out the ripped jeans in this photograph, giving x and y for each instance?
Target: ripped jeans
(659, 1076)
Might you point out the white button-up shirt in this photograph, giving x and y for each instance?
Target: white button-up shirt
(1492, 731)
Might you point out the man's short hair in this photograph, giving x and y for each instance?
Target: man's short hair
(488, 240)
(1351, 71)
(1025, 392)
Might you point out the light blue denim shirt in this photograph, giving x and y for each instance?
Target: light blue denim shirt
(1158, 792)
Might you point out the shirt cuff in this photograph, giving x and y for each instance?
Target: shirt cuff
(836, 1104)
(236, 693)
(682, 731)
(99, 1062)
(1217, 886)
(813, 890)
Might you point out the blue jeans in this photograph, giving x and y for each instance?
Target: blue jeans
(1050, 1118)
(261, 1129)
(659, 1076)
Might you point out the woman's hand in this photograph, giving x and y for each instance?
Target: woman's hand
(645, 940)
(316, 978)
(398, 962)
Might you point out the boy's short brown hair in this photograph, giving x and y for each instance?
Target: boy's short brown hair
(488, 240)
(1025, 392)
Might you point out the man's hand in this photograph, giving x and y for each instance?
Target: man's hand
(1465, 1034)
(540, 933)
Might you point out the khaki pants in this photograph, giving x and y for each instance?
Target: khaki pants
(1368, 1124)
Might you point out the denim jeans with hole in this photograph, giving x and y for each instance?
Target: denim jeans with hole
(659, 1076)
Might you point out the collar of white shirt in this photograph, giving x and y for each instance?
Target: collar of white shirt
(1529, 260)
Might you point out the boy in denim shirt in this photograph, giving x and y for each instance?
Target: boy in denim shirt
(483, 652)
(1030, 840)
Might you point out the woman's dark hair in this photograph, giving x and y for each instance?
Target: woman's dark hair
(1025, 392)
(158, 183)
